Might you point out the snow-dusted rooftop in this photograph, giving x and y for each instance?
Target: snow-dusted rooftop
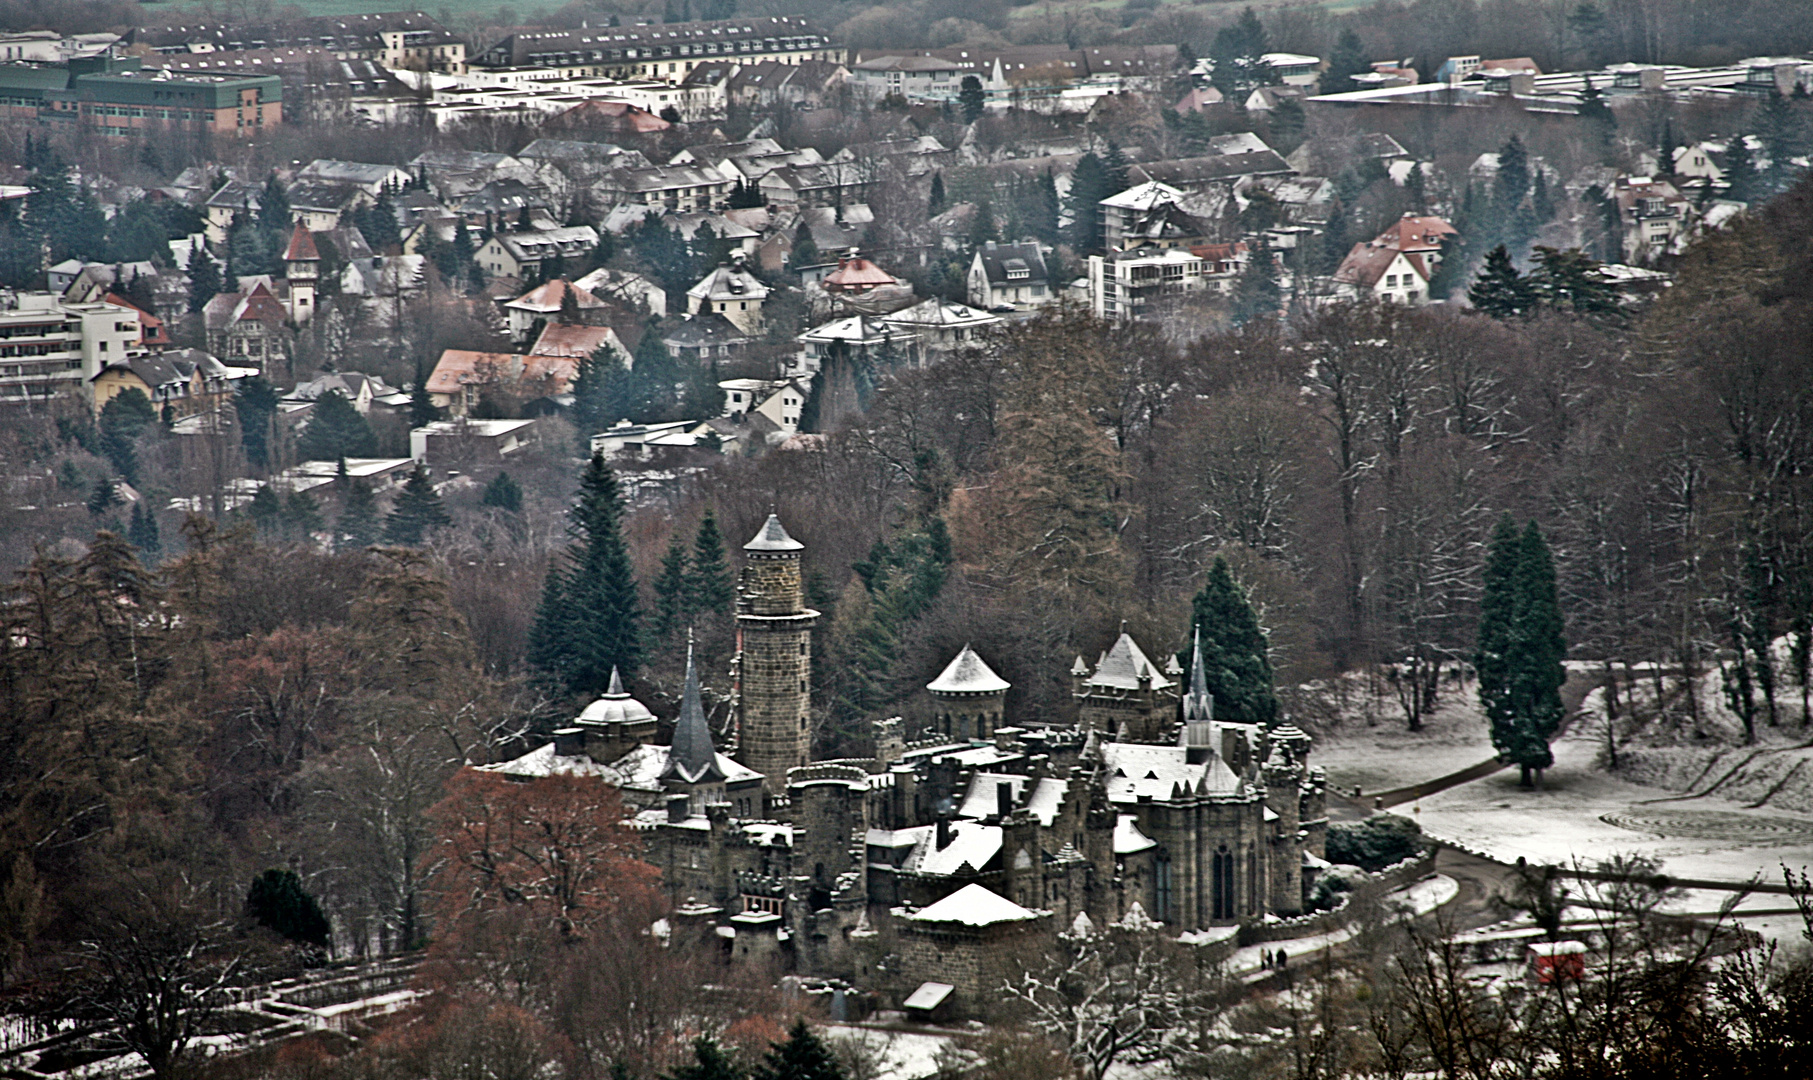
(974, 905)
(968, 673)
(1128, 839)
(1122, 666)
(971, 844)
(1136, 769)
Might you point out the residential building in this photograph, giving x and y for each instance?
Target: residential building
(523, 254)
(183, 383)
(1198, 175)
(368, 178)
(733, 292)
(1132, 284)
(681, 188)
(667, 51)
(52, 349)
(406, 40)
(251, 326)
(779, 400)
(1009, 276)
(464, 442)
(320, 206)
(515, 382)
(1655, 216)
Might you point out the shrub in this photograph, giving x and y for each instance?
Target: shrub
(1375, 843)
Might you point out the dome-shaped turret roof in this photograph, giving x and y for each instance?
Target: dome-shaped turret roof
(615, 706)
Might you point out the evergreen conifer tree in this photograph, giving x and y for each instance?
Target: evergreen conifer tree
(335, 430)
(102, 497)
(301, 516)
(1236, 655)
(971, 99)
(504, 493)
(274, 207)
(938, 201)
(652, 380)
(710, 1062)
(1256, 291)
(421, 403)
(278, 901)
(1520, 647)
(416, 510)
(589, 616)
(265, 510)
(709, 588)
(1741, 179)
(670, 591)
(801, 1056)
(359, 525)
(805, 249)
(255, 403)
(601, 391)
(1513, 180)
(1088, 187)
(1500, 291)
(204, 280)
(142, 532)
(127, 415)
(1572, 280)
(1345, 60)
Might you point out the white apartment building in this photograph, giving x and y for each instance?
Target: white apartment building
(50, 349)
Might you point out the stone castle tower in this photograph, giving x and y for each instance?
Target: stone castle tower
(774, 658)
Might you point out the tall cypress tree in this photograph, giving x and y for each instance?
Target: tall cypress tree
(1520, 647)
(709, 589)
(1236, 656)
(589, 617)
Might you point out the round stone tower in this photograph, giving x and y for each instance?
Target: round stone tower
(968, 698)
(774, 658)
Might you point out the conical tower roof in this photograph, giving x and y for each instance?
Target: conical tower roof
(773, 537)
(302, 247)
(692, 757)
(968, 674)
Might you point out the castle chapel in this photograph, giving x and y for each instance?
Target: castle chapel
(922, 872)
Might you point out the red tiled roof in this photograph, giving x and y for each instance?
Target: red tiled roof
(151, 328)
(559, 339)
(547, 296)
(1410, 233)
(1367, 263)
(302, 247)
(857, 274)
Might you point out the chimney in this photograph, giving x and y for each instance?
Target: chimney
(943, 838)
(679, 808)
(569, 742)
(1004, 799)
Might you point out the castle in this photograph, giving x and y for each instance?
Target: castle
(924, 870)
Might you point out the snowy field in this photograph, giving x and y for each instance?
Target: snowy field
(1582, 814)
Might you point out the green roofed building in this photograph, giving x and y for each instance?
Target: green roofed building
(114, 96)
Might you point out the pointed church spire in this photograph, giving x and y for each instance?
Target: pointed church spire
(1198, 706)
(692, 756)
(616, 689)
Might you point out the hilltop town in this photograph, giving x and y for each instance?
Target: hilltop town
(906, 540)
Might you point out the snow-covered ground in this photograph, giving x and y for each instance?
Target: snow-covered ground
(1582, 814)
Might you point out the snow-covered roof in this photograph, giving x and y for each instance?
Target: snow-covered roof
(1047, 799)
(1122, 666)
(545, 762)
(929, 996)
(614, 706)
(982, 800)
(642, 768)
(974, 905)
(1128, 839)
(773, 537)
(1145, 196)
(968, 673)
(1136, 769)
(971, 844)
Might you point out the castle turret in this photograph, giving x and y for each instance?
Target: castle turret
(1198, 707)
(774, 658)
(692, 760)
(968, 698)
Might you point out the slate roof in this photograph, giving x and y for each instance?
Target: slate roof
(692, 758)
(729, 282)
(773, 537)
(1180, 172)
(998, 259)
(1123, 664)
(1156, 772)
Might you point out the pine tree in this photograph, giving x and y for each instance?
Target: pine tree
(709, 588)
(359, 525)
(204, 280)
(1114, 168)
(1513, 180)
(335, 430)
(1256, 291)
(589, 616)
(971, 99)
(1572, 280)
(274, 207)
(805, 249)
(652, 379)
(938, 201)
(255, 403)
(601, 391)
(1500, 291)
(801, 1056)
(127, 415)
(278, 902)
(1043, 213)
(265, 510)
(670, 591)
(710, 1062)
(1345, 60)
(301, 516)
(416, 510)
(1741, 179)
(142, 532)
(504, 493)
(1088, 187)
(1236, 655)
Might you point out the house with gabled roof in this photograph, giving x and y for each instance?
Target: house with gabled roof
(1009, 276)
(251, 325)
